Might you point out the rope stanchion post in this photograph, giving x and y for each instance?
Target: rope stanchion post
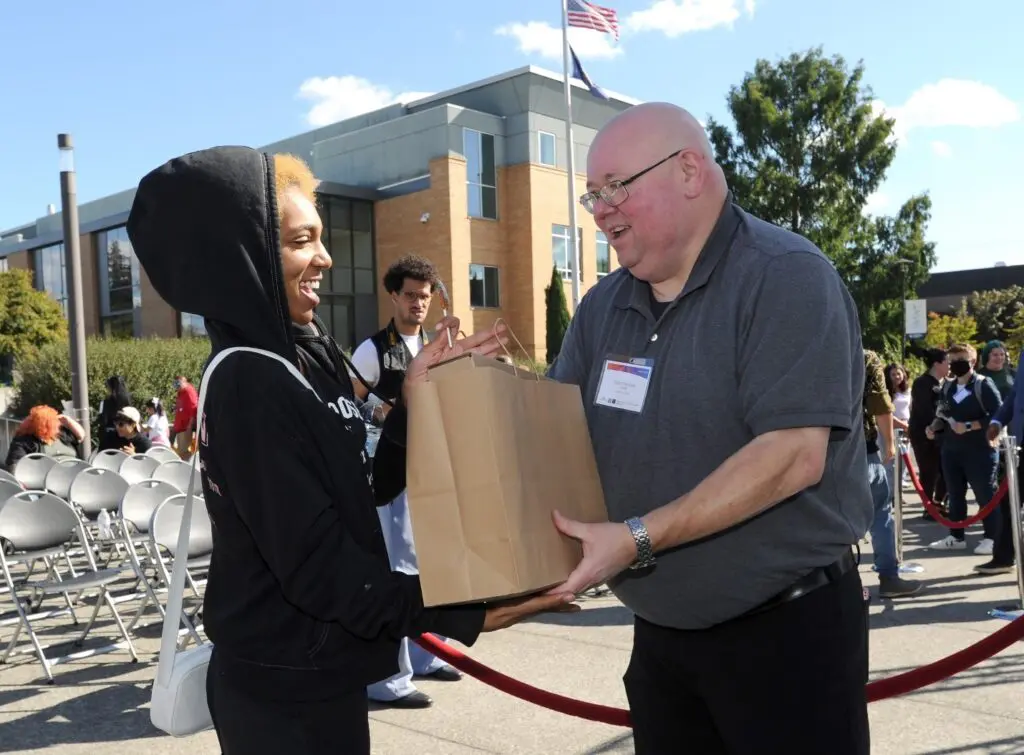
(897, 495)
(1010, 452)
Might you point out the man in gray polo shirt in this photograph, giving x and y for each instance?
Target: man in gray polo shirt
(722, 372)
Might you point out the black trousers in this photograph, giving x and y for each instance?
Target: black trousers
(787, 681)
(929, 468)
(1002, 551)
(249, 725)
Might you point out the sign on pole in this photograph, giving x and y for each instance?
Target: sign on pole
(915, 317)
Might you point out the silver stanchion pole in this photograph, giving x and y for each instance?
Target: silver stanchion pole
(902, 447)
(1010, 452)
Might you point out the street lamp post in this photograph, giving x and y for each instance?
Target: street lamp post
(902, 265)
(73, 271)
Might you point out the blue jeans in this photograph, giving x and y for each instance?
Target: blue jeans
(883, 529)
(975, 464)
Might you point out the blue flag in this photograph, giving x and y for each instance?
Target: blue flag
(579, 73)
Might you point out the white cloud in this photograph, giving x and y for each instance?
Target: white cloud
(677, 17)
(545, 40)
(336, 98)
(951, 102)
(941, 149)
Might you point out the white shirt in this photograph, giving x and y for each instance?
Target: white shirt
(158, 430)
(901, 406)
(365, 359)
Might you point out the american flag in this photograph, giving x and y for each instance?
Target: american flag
(589, 16)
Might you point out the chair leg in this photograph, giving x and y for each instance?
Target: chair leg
(105, 597)
(43, 660)
(92, 620)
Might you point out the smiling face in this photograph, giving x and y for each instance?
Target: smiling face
(303, 256)
(996, 359)
(896, 376)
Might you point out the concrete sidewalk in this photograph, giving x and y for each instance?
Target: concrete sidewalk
(100, 706)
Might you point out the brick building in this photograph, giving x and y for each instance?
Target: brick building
(473, 178)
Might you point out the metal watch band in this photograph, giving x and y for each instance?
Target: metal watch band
(644, 549)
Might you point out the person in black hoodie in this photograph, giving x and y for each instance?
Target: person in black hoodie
(301, 605)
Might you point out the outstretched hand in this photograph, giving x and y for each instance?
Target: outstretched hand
(485, 343)
(509, 612)
(608, 549)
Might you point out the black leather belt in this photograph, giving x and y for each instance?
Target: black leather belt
(820, 577)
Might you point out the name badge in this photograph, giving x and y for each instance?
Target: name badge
(961, 394)
(624, 384)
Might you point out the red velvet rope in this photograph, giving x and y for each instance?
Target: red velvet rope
(891, 686)
(932, 509)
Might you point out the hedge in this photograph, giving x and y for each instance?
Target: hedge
(148, 366)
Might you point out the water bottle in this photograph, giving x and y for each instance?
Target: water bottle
(104, 525)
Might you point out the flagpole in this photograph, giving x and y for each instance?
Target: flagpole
(574, 257)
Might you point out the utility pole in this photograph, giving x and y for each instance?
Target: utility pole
(73, 271)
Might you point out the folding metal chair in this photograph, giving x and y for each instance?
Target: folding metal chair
(163, 533)
(32, 522)
(5, 475)
(62, 474)
(163, 454)
(9, 488)
(138, 467)
(110, 459)
(31, 471)
(177, 473)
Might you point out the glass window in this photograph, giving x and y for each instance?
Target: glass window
(120, 284)
(483, 286)
(192, 325)
(560, 250)
(481, 174)
(349, 239)
(546, 148)
(50, 274)
(603, 259)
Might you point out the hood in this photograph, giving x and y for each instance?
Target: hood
(204, 227)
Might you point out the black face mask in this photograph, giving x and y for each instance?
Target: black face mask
(960, 367)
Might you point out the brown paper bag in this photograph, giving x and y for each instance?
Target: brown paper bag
(492, 451)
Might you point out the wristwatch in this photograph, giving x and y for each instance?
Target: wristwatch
(969, 425)
(644, 550)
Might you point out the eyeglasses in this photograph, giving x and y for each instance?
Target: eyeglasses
(615, 193)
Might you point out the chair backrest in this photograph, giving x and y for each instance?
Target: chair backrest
(36, 520)
(163, 454)
(138, 467)
(5, 475)
(177, 473)
(9, 488)
(62, 474)
(31, 470)
(110, 458)
(166, 522)
(141, 501)
(95, 490)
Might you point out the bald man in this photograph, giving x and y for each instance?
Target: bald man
(722, 373)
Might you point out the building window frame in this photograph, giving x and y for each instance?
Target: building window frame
(44, 264)
(603, 255)
(484, 286)
(560, 233)
(191, 326)
(478, 148)
(116, 312)
(553, 141)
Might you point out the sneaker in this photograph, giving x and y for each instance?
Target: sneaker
(948, 543)
(991, 567)
(896, 587)
(985, 547)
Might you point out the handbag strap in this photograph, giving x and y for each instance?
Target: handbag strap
(176, 590)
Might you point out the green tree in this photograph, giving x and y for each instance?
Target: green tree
(945, 330)
(29, 319)
(557, 314)
(996, 311)
(806, 152)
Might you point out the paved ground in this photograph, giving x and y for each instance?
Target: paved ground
(100, 705)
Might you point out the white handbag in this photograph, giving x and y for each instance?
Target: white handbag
(178, 703)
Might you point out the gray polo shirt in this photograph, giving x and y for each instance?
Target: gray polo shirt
(763, 337)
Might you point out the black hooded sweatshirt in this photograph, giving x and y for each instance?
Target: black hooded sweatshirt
(301, 602)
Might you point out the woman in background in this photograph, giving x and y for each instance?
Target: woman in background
(897, 383)
(924, 397)
(45, 431)
(157, 428)
(117, 399)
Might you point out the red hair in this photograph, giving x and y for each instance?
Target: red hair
(42, 422)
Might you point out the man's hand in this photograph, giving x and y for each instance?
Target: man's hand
(608, 548)
(929, 433)
(509, 612)
(959, 428)
(993, 433)
(129, 449)
(486, 343)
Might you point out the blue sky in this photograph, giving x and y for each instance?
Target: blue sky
(137, 83)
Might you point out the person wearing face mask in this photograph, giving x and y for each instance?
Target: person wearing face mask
(301, 604)
(967, 406)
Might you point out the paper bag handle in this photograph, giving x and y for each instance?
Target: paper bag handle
(176, 590)
(508, 329)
